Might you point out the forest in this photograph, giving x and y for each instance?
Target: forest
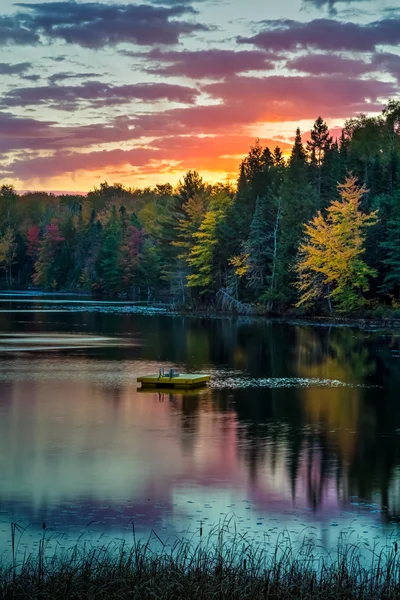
(317, 231)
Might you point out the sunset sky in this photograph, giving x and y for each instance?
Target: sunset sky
(139, 92)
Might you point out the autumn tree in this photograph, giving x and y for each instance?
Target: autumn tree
(330, 262)
(33, 242)
(205, 252)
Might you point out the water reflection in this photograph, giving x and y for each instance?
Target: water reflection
(79, 443)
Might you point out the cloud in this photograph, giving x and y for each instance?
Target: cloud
(96, 25)
(330, 3)
(19, 133)
(278, 98)
(388, 62)
(68, 162)
(332, 64)
(245, 101)
(56, 77)
(325, 34)
(97, 94)
(14, 31)
(16, 69)
(329, 64)
(210, 64)
(170, 153)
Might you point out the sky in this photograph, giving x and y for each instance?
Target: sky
(138, 92)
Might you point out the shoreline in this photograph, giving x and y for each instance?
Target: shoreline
(367, 321)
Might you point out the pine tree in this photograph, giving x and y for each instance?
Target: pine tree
(8, 205)
(69, 269)
(47, 265)
(318, 146)
(392, 261)
(330, 262)
(109, 258)
(331, 175)
(190, 186)
(235, 226)
(391, 114)
(131, 249)
(391, 243)
(258, 249)
(298, 154)
(297, 204)
(8, 253)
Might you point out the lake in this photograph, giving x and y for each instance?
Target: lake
(299, 429)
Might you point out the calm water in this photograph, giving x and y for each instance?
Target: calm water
(299, 429)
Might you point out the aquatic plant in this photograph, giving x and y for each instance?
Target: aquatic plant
(214, 566)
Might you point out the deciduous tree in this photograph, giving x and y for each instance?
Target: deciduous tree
(330, 262)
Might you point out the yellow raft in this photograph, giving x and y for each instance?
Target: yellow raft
(172, 379)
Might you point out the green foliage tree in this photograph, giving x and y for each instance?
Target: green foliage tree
(298, 202)
(318, 146)
(205, 254)
(8, 253)
(109, 258)
(193, 241)
(8, 205)
(47, 266)
(392, 260)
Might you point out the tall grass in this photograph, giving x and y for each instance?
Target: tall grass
(222, 565)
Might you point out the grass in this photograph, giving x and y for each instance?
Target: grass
(221, 566)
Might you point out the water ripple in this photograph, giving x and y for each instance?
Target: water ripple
(281, 382)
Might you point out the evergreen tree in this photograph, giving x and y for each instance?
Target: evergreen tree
(390, 233)
(318, 146)
(47, 265)
(392, 261)
(190, 186)
(131, 257)
(8, 253)
(8, 206)
(109, 258)
(298, 202)
(258, 249)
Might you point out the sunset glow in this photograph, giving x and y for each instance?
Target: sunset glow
(140, 92)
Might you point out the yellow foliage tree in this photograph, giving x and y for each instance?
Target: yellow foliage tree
(203, 256)
(240, 264)
(330, 262)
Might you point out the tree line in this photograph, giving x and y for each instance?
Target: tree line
(320, 229)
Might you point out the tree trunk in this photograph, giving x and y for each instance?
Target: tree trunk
(275, 252)
(329, 299)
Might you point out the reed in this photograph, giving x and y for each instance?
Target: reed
(222, 565)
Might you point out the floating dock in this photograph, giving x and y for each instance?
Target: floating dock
(177, 381)
(173, 392)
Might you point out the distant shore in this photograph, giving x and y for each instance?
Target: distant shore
(382, 318)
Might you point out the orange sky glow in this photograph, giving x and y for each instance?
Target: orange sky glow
(140, 92)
